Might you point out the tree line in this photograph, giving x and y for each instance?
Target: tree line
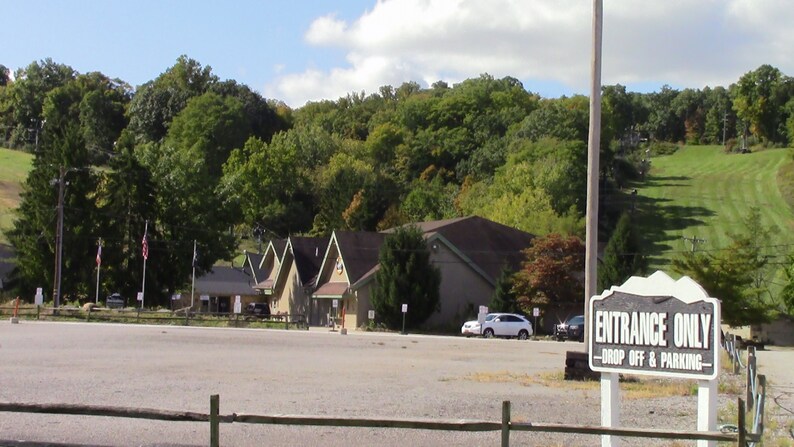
(206, 159)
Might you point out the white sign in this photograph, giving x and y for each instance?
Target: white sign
(336, 304)
(483, 309)
(39, 291)
(39, 298)
(238, 307)
(536, 312)
(371, 314)
(237, 299)
(405, 308)
(140, 296)
(176, 297)
(204, 297)
(652, 331)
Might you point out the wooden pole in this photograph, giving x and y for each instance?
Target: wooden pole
(741, 423)
(506, 423)
(593, 148)
(214, 421)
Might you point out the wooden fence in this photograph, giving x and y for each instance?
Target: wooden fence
(177, 317)
(505, 426)
(755, 386)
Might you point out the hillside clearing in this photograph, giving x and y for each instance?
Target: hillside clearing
(14, 168)
(702, 192)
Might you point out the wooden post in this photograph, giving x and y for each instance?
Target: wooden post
(88, 315)
(506, 423)
(38, 311)
(760, 408)
(741, 423)
(736, 353)
(214, 420)
(750, 379)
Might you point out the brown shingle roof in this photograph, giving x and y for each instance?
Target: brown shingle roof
(488, 244)
(359, 251)
(309, 253)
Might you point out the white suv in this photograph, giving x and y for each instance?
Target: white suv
(507, 325)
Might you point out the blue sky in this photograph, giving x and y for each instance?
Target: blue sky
(299, 51)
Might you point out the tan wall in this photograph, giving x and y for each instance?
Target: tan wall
(351, 309)
(462, 289)
(779, 332)
(290, 298)
(363, 304)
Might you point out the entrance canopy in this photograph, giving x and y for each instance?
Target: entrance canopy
(331, 290)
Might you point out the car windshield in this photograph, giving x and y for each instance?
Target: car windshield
(490, 317)
(579, 319)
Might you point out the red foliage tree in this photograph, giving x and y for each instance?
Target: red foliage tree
(552, 274)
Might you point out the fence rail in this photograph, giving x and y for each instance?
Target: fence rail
(505, 426)
(182, 316)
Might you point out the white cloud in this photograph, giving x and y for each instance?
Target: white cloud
(688, 43)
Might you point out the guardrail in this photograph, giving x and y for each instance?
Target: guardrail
(182, 316)
(505, 426)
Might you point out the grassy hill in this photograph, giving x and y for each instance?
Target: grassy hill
(702, 192)
(14, 168)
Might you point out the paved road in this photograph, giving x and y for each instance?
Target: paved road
(292, 372)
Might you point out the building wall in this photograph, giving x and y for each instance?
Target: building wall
(462, 289)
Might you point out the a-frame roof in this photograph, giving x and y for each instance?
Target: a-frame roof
(309, 253)
(359, 251)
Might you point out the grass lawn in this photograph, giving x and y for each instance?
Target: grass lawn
(702, 192)
(14, 168)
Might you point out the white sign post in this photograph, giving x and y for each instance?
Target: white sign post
(371, 314)
(39, 298)
(238, 306)
(659, 327)
(405, 311)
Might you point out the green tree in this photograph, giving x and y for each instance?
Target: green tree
(758, 99)
(739, 275)
(406, 276)
(157, 102)
(622, 255)
(787, 294)
(504, 298)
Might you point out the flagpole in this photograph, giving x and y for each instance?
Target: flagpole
(98, 268)
(146, 256)
(193, 285)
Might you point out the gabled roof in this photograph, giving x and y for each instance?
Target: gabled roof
(309, 253)
(359, 251)
(252, 265)
(489, 245)
(225, 281)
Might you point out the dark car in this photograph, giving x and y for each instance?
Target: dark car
(258, 309)
(573, 329)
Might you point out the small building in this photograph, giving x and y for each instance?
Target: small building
(470, 253)
(217, 289)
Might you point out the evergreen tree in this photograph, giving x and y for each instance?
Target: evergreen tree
(405, 277)
(504, 298)
(622, 255)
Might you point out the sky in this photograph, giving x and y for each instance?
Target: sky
(298, 51)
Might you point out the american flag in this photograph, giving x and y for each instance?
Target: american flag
(99, 256)
(145, 247)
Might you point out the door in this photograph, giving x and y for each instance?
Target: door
(223, 304)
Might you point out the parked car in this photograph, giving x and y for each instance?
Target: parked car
(573, 329)
(472, 327)
(115, 301)
(506, 325)
(258, 309)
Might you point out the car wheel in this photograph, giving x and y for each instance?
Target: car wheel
(488, 333)
(523, 334)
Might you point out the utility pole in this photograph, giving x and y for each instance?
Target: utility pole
(56, 294)
(695, 241)
(593, 148)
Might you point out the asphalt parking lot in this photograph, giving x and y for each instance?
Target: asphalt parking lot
(288, 372)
